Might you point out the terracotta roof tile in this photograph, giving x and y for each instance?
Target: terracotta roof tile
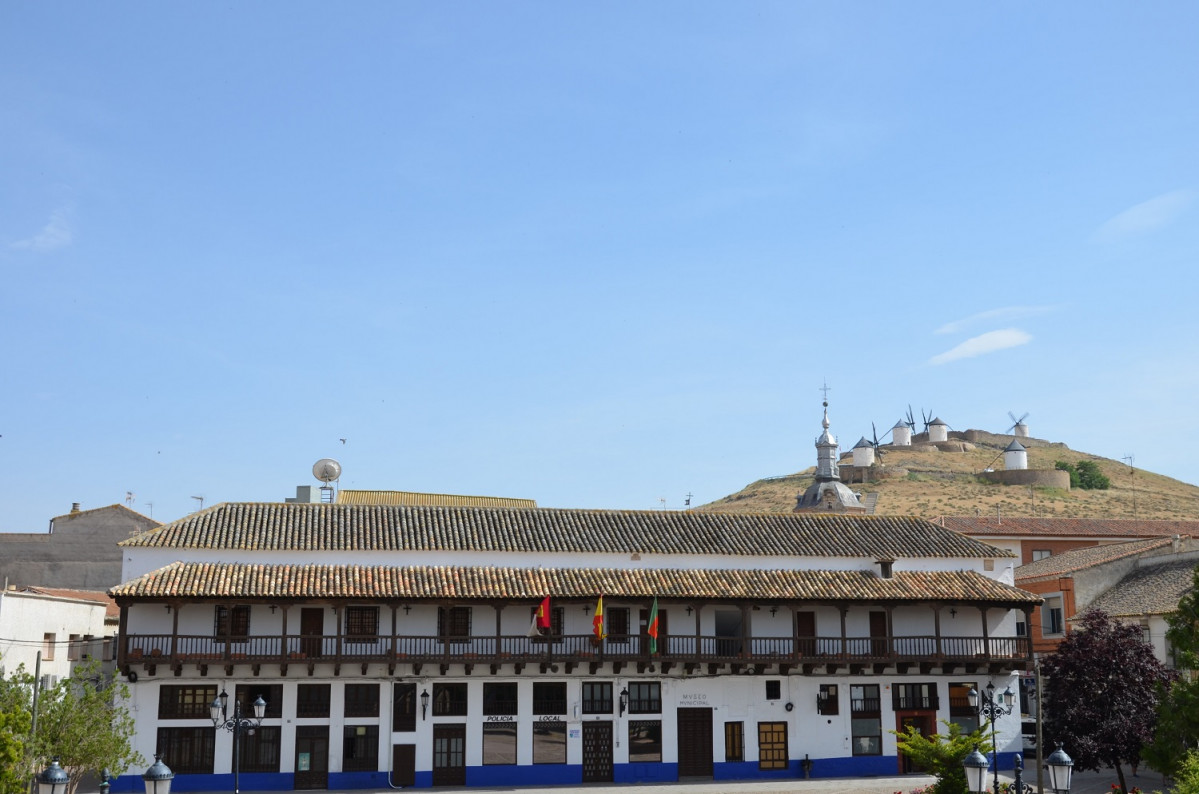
(356, 497)
(1078, 559)
(336, 527)
(1084, 527)
(111, 610)
(237, 580)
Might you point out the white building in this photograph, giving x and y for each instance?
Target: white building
(392, 644)
(65, 626)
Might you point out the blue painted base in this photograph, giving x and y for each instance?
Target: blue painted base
(541, 775)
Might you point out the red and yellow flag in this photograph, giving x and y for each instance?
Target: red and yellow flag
(543, 614)
(597, 622)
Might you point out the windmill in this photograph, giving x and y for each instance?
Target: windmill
(1018, 428)
(876, 443)
(910, 421)
(926, 417)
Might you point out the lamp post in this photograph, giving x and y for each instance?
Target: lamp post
(990, 706)
(424, 705)
(624, 701)
(976, 765)
(53, 779)
(239, 724)
(158, 777)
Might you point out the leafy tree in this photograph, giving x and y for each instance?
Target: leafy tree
(941, 755)
(1178, 714)
(83, 722)
(1101, 693)
(16, 720)
(1062, 465)
(1090, 477)
(1186, 778)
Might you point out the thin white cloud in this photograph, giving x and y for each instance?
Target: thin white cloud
(1148, 215)
(1004, 313)
(982, 344)
(55, 234)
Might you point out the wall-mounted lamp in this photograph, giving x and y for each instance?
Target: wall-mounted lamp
(424, 705)
(624, 701)
(774, 611)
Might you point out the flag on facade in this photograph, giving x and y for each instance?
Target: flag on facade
(541, 618)
(652, 627)
(597, 622)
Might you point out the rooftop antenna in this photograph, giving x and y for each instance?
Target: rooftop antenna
(327, 470)
(662, 499)
(199, 499)
(687, 500)
(150, 505)
(1132, 474)
(129, 497)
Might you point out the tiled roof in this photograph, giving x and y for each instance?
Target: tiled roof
(237, 580)
(331, 527)
(1085, 527)
(1149, 590)
(351, 497)
(1078, 559)
(115, 507)
(111, 610)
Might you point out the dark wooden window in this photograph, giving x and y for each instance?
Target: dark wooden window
(185, 702)
(805, 633)
(866, 726)
(549, 698)
(645, 741)
(233, 623)
(188, 750)
(362, 623)
(499, 699)
(403, 711)
(645, 697)
(774, 690)
(499, 743)
(734, 741)
(260, 749)
(914, 696)
(597, 697)
(246, 694)
(362, 700)
(827, 700)
(449, 700)
(549, 742)
(312, 700)
(772, 745)
(360, 748)
(453, 624)
(618, 623)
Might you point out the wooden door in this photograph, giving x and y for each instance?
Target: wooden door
(878, 634)
(926, 724)
(312, 757)
(449, 755)
(805, 633)
(403, 765)
(695, 742)
(312, 631)
(597, 751)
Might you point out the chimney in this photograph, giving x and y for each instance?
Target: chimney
(885, 569)
(74, 507)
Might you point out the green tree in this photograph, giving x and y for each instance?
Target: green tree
(1090, 478)
(941, 755)
(1186, 777)
(16, 720)
(1178, 714)
(1101, 693)
(1062, 465)
(84, 723)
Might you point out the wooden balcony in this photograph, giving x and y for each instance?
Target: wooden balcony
(811, 655)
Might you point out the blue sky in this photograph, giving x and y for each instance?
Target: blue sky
(594, 255)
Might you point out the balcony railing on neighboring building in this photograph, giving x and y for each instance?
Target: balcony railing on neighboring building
(170, 649)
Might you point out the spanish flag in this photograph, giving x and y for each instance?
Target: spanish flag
(541, 618)
(652, 627)
(597, 622)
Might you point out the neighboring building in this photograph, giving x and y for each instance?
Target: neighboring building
(1137, 581)
(65, 626)
(79, 551)
(1032, 539)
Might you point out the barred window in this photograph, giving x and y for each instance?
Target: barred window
(312, 700)
(362, 700)
(233, 623)
(360, 748)
(645, 697)
(549, 698)
(499, 699)
(185, 702)
(188, 750)
(597, 697)
(259, 749)
(362, 623)
(449, 700)
(453, 623)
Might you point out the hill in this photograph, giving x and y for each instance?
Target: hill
(926, 481)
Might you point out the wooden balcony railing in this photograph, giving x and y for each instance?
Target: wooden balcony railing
(206, 649)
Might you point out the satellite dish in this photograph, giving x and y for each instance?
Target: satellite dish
(326, 470)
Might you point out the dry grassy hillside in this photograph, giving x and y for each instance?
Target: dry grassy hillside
(925, 481)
